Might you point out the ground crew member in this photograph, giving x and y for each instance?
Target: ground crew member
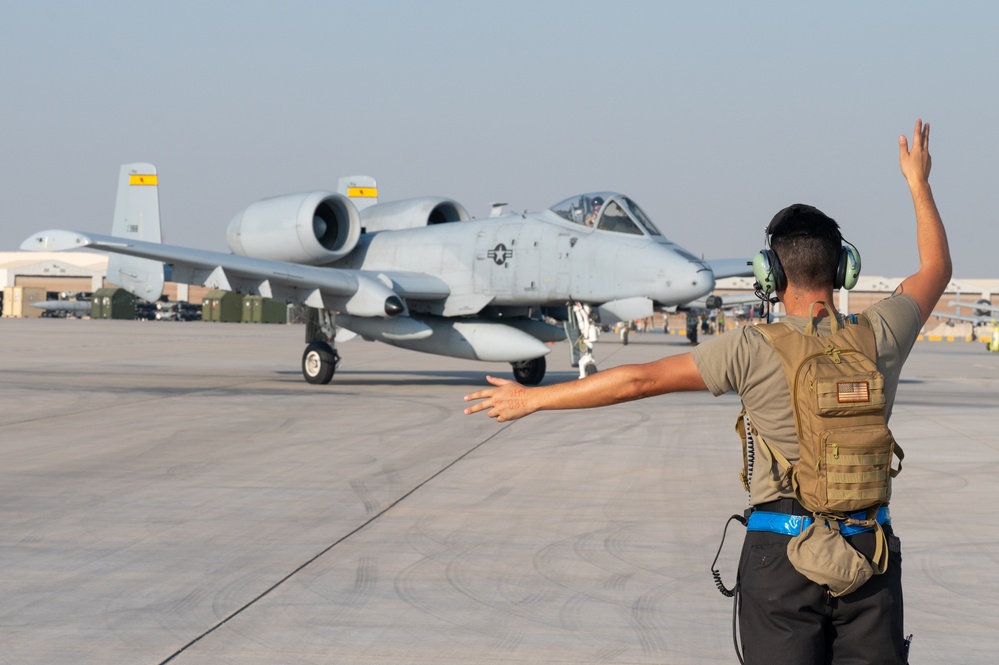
(691, 328)
(785, 617)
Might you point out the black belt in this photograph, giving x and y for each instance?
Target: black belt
(787, 506)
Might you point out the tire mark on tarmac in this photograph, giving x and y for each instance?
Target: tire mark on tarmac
(343, 538)
(49, 418)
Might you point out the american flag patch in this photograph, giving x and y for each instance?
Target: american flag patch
(852, 392)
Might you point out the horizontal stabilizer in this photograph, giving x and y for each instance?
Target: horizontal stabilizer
(57, 240)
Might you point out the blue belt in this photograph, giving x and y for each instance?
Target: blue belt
(793, 525)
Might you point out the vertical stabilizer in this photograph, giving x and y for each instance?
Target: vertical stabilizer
(137, 217)
(362, 190)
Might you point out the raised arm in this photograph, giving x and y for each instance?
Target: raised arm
(927, 284)
(509, 400)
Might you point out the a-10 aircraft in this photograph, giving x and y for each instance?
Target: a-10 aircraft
(418, 274)
(984, 312)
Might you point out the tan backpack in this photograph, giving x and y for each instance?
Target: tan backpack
(838, 398)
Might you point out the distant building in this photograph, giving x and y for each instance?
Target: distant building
(78, 272)
(870, 290)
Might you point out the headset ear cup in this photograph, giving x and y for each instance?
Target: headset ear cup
(841, 269)
(768, 272)
(848, 271)
(780, 281)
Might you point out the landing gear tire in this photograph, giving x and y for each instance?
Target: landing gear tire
(319, 363)
(529, 372)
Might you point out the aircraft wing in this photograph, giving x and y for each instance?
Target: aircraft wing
(976, 320)
(983, 307)
(723, 268)
(727, 301)
(356, 292)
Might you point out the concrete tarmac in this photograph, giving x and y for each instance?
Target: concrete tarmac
(176, 493)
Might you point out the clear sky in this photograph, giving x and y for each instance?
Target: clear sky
(712, 115)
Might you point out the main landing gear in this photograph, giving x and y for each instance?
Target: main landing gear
(319, 362)
(320, 358)
(529, 372)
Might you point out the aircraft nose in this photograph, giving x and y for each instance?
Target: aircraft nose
(680, 276)
(704, 278)
(700, 281)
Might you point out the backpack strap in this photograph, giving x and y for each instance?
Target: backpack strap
(880, 559)
(783, 481)
(899, 454)
(772, 331)
(741, 427)
(834, 324)
(744, 428)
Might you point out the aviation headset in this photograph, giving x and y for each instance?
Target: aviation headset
(769, 273)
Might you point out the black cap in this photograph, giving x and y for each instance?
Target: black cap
(801, 219)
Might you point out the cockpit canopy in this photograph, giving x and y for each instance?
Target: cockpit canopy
(606, 211)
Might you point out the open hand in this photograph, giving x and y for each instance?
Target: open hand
(916, 162)
(507, 401)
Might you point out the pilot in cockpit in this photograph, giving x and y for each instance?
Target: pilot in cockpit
(596, 204)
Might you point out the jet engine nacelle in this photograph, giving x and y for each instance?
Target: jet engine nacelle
(714, 302)
(412, 213)
(312, 228)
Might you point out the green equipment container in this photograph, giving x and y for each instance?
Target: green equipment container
(257, 309)
(112, 303)
(222, 307)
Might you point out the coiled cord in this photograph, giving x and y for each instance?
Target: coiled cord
(725, 591)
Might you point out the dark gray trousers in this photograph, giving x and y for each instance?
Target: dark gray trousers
(786, 618)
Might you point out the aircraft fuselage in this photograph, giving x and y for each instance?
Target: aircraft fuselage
(536, 260)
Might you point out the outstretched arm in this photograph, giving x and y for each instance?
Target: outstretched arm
(927, 284)
(509, 400)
